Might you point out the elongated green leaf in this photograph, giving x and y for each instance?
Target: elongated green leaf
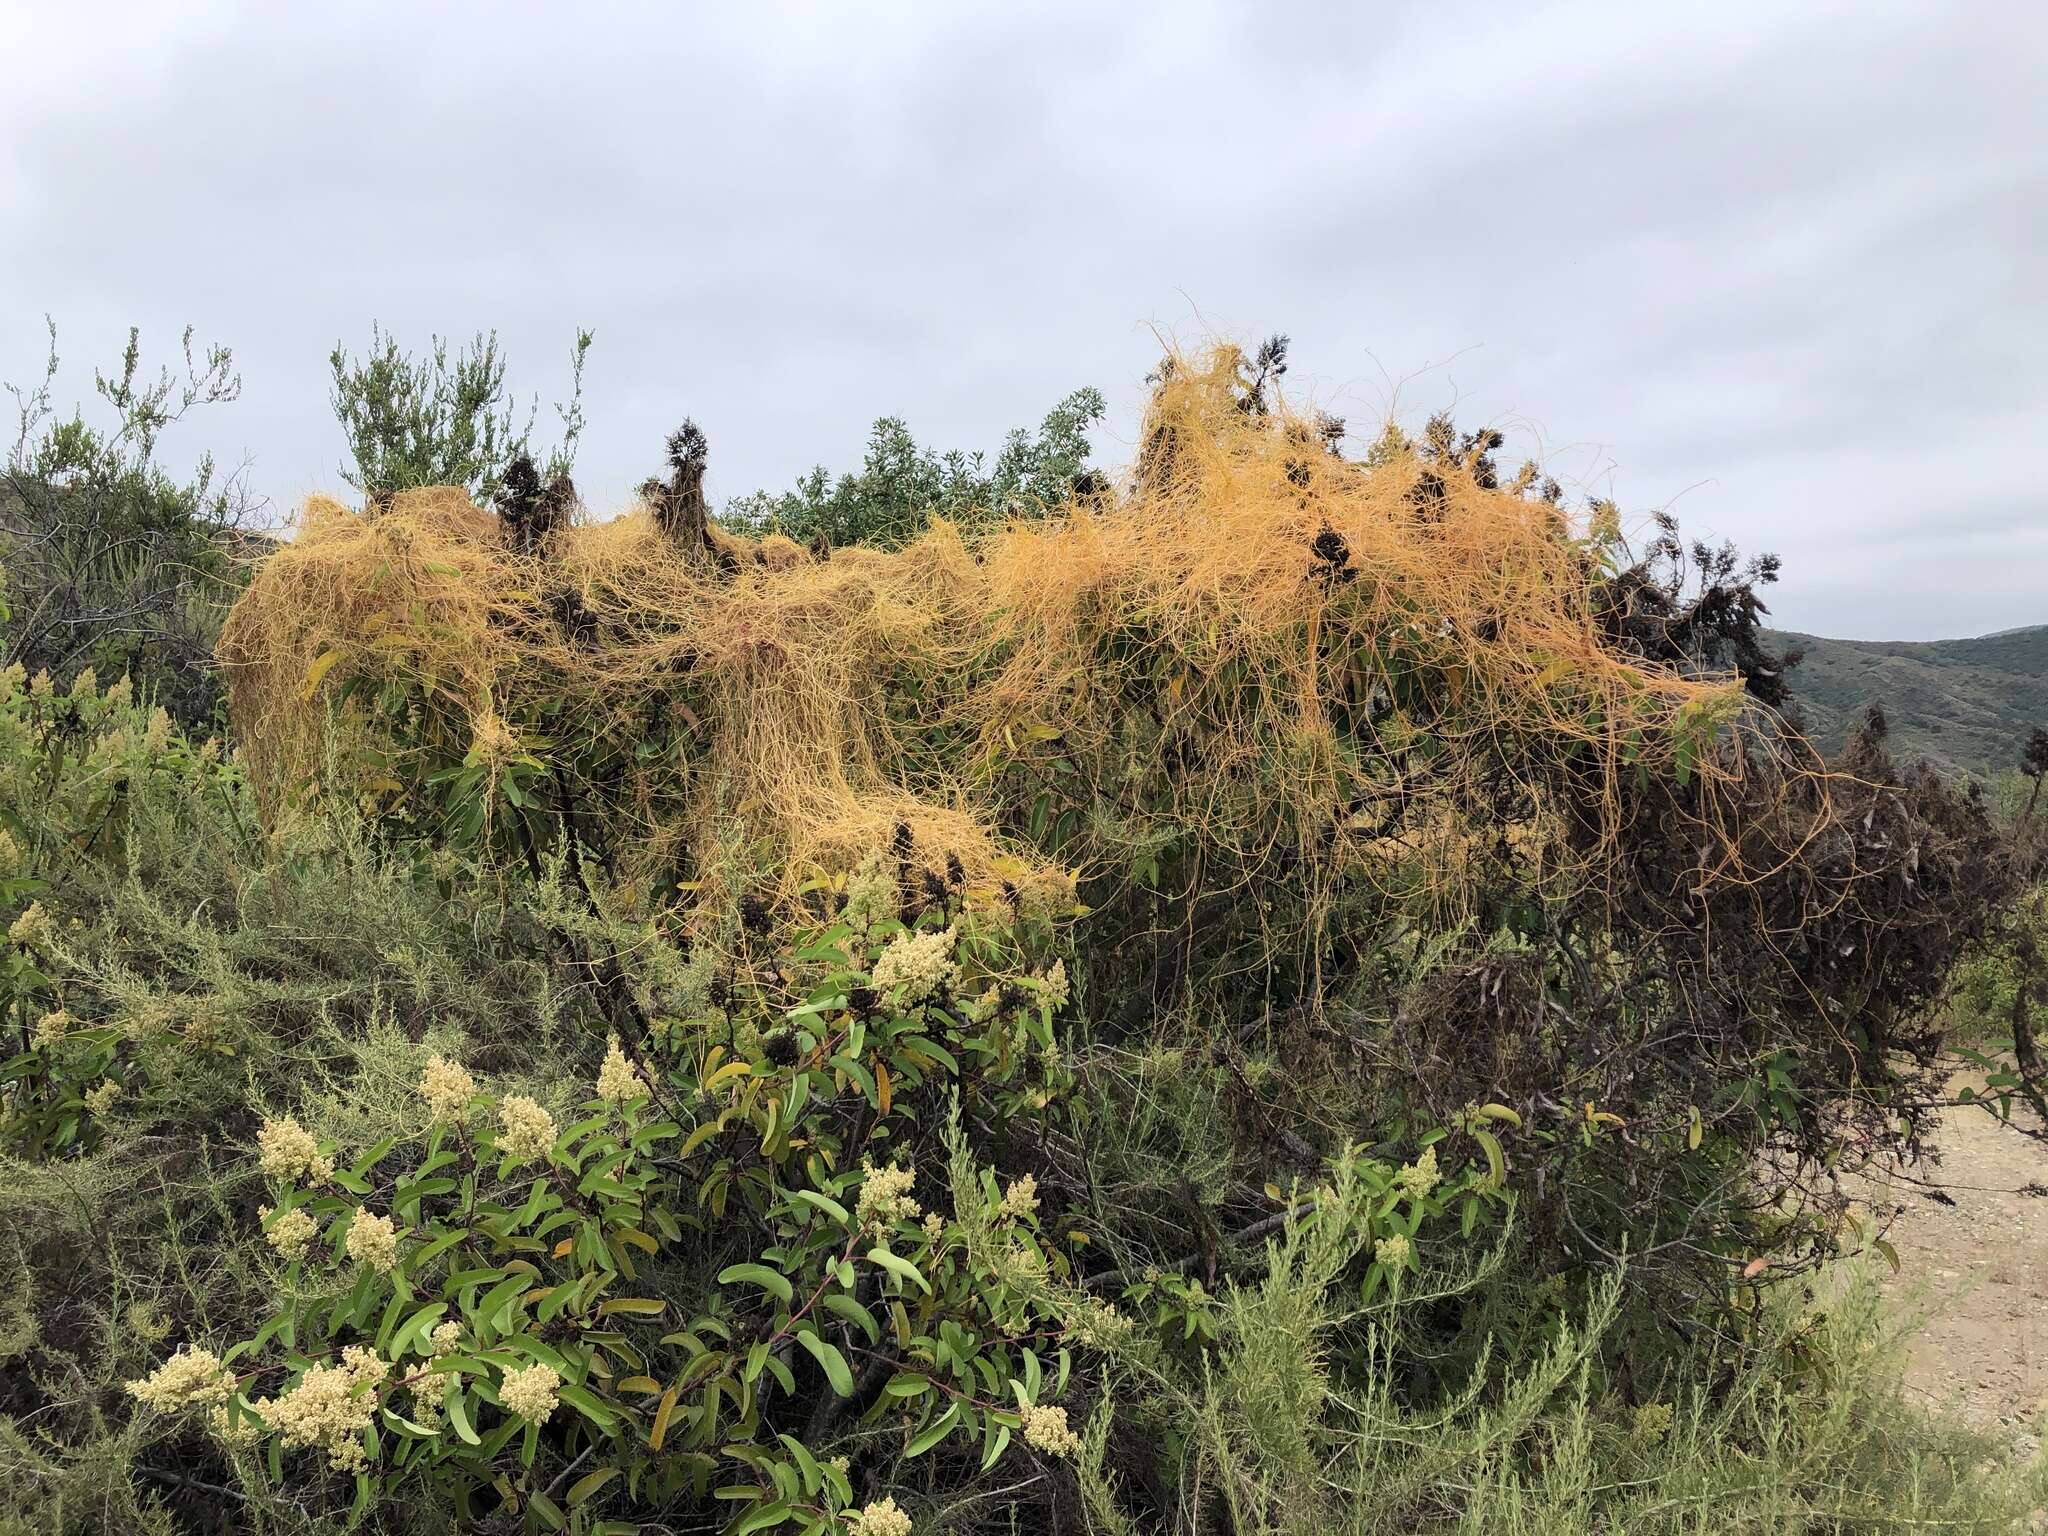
(758, 1274)
(828, 1356)
(939, 1429)
(898, 1266)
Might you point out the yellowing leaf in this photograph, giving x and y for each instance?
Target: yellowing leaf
(660, 1431)
(322, 665)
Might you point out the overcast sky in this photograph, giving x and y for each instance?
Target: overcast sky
(1779, 267)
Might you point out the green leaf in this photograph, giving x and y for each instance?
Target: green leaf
(828, 1356)
(855, 1313)
(458, 1415)
(589, 1483)
(581, 1400)
(938, 1431)
(761, 1275)
(826, 1204)
(900, 1267)
(760, 1519)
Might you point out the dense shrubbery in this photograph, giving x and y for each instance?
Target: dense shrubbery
(106, 560)
(1271, 1001)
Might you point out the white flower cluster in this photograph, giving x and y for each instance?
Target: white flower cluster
(885, 1195)
(1052, 986)
(447, 1088)
(617, 1080)
(1021, 1198)
(190, 1376)
(373, 1242)
(527, 1132)
(1047, 1429)
(530, 1393)
(1393, 1252)
(870, 894)
(330, 1407)
(291, 1234)
(917, 965)
(288, 1151)
(1418, 1178)
(881, 1518)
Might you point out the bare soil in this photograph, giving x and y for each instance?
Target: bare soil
(1971, 1231)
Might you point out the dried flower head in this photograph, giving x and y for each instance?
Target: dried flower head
(291, 1234)
(885, 1194)
(42, 685)
(373, 1242)
(526, 1131)
(121, 691)
(530, 1393)
(86, 685)
(288, 1151)
(447, 1088)
(617, 1080)
(158, 735)
(881, 1518)
(190, 1376)
(917, 965)
(1047, 1429)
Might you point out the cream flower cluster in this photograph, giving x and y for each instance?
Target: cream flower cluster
(190, 1376)
(445, 1338)
(330, 1408)
(885, 1194)
(530, 1393)
(447, 1088)
(288, 1151)
(1047, 1429)
(1021, 1198)
(1393, 1251)
(870, 894)
(31, 930)
(1053, 987)
(617, 1080)
(373, 1242)
(917, 965)
(1418, 1178)
(291, 1234)
(527, 1131)
(881, 1518)
(100, 1099)
(51, 1028)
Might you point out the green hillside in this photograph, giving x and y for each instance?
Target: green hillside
(1966, 704)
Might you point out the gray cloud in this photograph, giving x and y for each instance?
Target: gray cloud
(1775, 266)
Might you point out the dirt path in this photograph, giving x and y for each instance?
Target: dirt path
(1972, 1239)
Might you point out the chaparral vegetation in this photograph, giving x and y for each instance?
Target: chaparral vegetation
(1287, 987)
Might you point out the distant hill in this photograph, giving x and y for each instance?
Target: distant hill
(1967, 704)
